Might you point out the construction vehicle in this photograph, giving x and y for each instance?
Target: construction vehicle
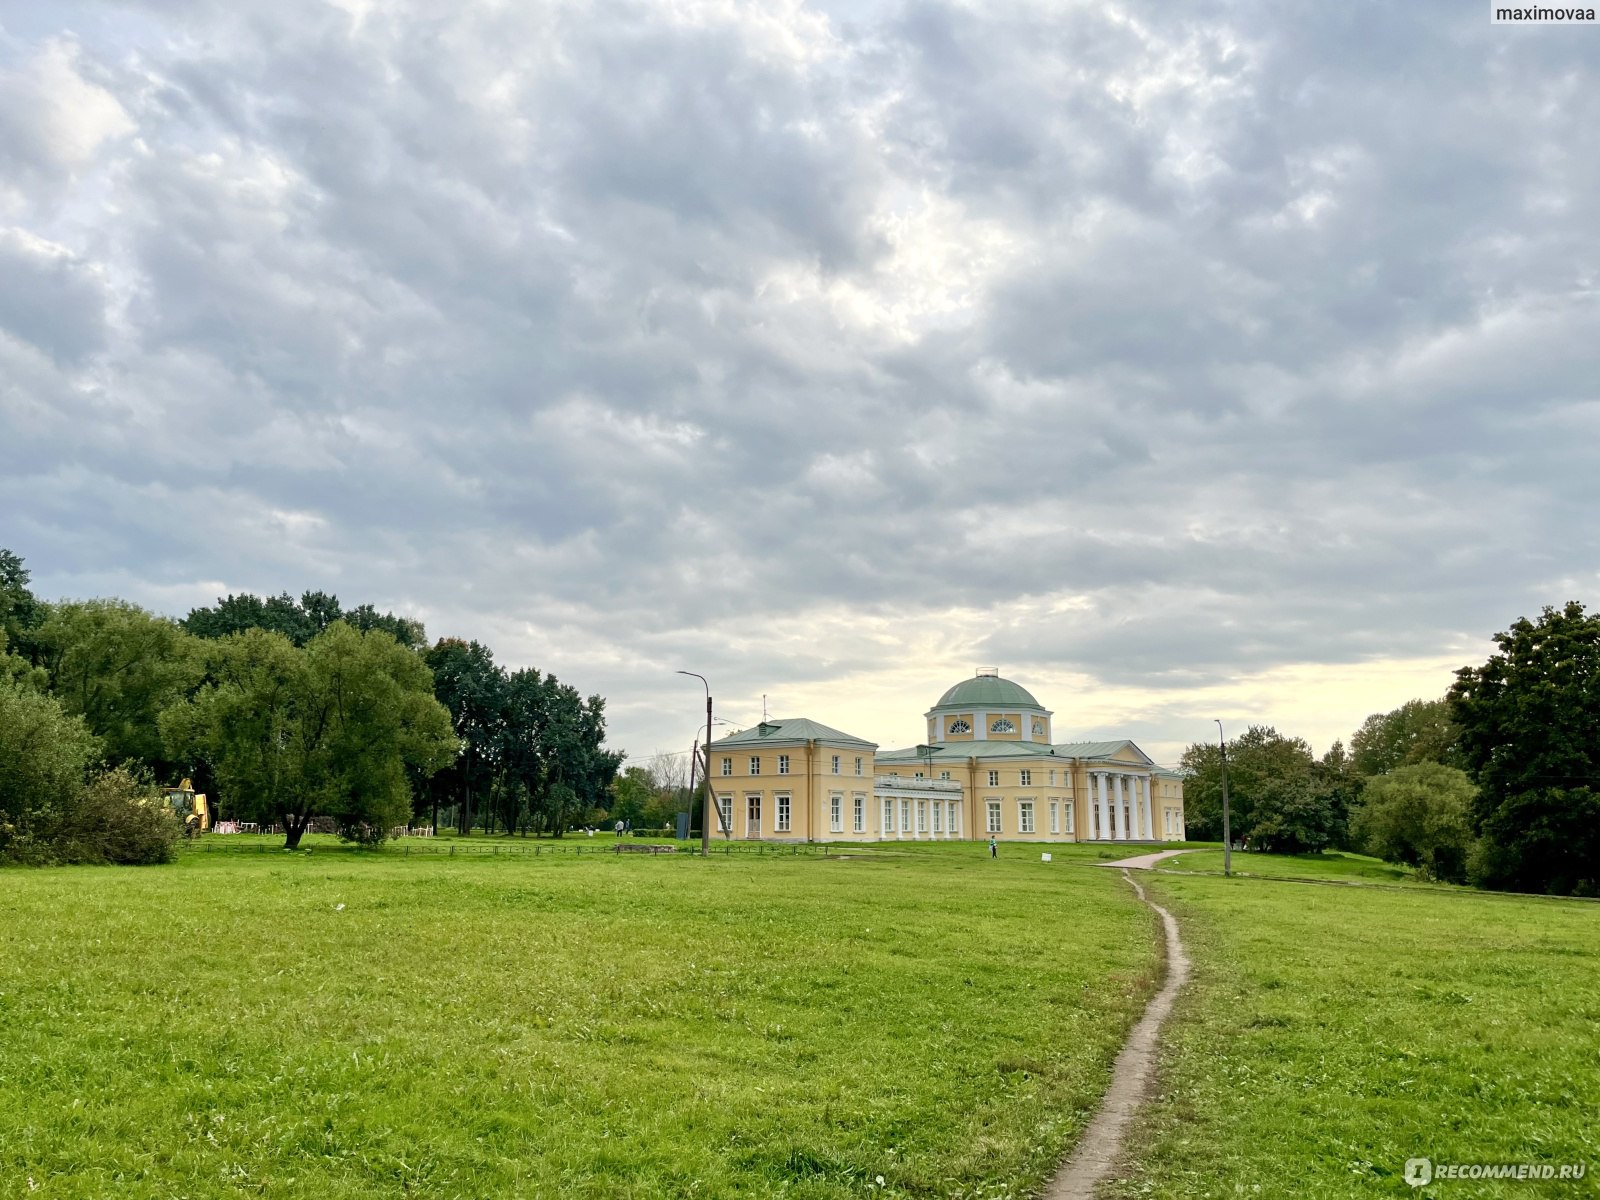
(191, 808)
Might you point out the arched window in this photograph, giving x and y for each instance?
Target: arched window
(1002, 725)
(961, 725)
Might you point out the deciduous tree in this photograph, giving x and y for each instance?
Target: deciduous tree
(1419, 815)
(1530, 736)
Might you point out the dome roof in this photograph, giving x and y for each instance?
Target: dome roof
(987, 692)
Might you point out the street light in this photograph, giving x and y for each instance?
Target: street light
(1227, 831)
(705, 824)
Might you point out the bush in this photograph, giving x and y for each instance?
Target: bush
(1420, 815)
(44, 754)
(119, 820)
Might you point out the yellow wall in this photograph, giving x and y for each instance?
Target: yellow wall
(809, 784)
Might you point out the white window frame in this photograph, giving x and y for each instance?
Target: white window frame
(1024, 777)
(784, 812)
(783, 764)
(960, 726)
(1002, 725)
(994, 778)
(755, 764)
(725, 803)
(835, 764)
(1052, 777)
(945, 775)
(905, 816)
(888, 815)
(859, 812)
(727, 766)
(1055, 816)
(995, 821)
(858, 766)
(922, 816)
(1025, 821)
(1067, 813)
(938, 816)
(753, 799)
(955, 818)
(836, 812)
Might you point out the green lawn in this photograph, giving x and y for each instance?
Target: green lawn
(341, 1024)
(1330, 1034)
(1339, 866)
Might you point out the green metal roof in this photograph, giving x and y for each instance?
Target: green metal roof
(792, 729)
(956, 751)
(988, 692)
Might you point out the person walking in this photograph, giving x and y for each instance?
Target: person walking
(994, 850)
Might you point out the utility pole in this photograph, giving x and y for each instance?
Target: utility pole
(705, 817)
(1227, 830)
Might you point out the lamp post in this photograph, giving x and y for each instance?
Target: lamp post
(1227, 831)
(705, 823)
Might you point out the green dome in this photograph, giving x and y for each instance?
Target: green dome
(987, 693)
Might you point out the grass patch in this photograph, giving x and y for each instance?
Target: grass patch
(365, 1024)
(1334, 866)
(1330, 1034)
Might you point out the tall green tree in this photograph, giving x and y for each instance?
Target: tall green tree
(1418, 731)
(329, 730)
(298, 620)
(117, 666)
(1529, 722)
(472, 687)
(1278, 798)
(1420, 815)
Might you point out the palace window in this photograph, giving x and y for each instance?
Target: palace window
(1055, 816)
(725, 803)
(727, 766)
(752, 812)
(1024, 816)
(783, 764)
(922, 816)
(858, 766)
(961, 725)
(755, 764)
(905, 816)
(836, 811)
(1066, 808)
(1002, 725)
(954, 826)
(888, 816)
(1052, 777)
(938, 817)
(1025, 777)
(994, 778)
(835, 764)
(1038, 728)
(994, 816)
(944, 774)
(783, 813)
(861, 814)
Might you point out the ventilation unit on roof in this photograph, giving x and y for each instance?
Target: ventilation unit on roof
(988, 672)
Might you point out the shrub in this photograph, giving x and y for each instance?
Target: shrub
(43, 756)
(120, 820)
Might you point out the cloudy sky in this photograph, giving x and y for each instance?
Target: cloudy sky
(1224, 359)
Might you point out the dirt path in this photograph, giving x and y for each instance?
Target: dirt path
(1142, 862)
(1097, 1152)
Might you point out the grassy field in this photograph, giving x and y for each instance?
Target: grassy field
(337, 1024)
(1332, 1033)
(1333, 866)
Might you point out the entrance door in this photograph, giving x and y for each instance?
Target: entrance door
(752, 815)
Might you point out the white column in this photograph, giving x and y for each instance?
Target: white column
(1113, 783)
(1102, 806)
(1144, 807)
(1128, 827)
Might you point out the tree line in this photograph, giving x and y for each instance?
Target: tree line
(1496, 783)
(286, 711)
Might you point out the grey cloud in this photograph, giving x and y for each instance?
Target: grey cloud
(586, 328)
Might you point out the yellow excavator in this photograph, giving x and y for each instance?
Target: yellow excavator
(193, 811)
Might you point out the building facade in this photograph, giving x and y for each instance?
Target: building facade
(988, 769)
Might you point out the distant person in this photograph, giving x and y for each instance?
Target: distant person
(619, 829)
(994, 849)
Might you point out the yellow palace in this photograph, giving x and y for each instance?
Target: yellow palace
(988, 769)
